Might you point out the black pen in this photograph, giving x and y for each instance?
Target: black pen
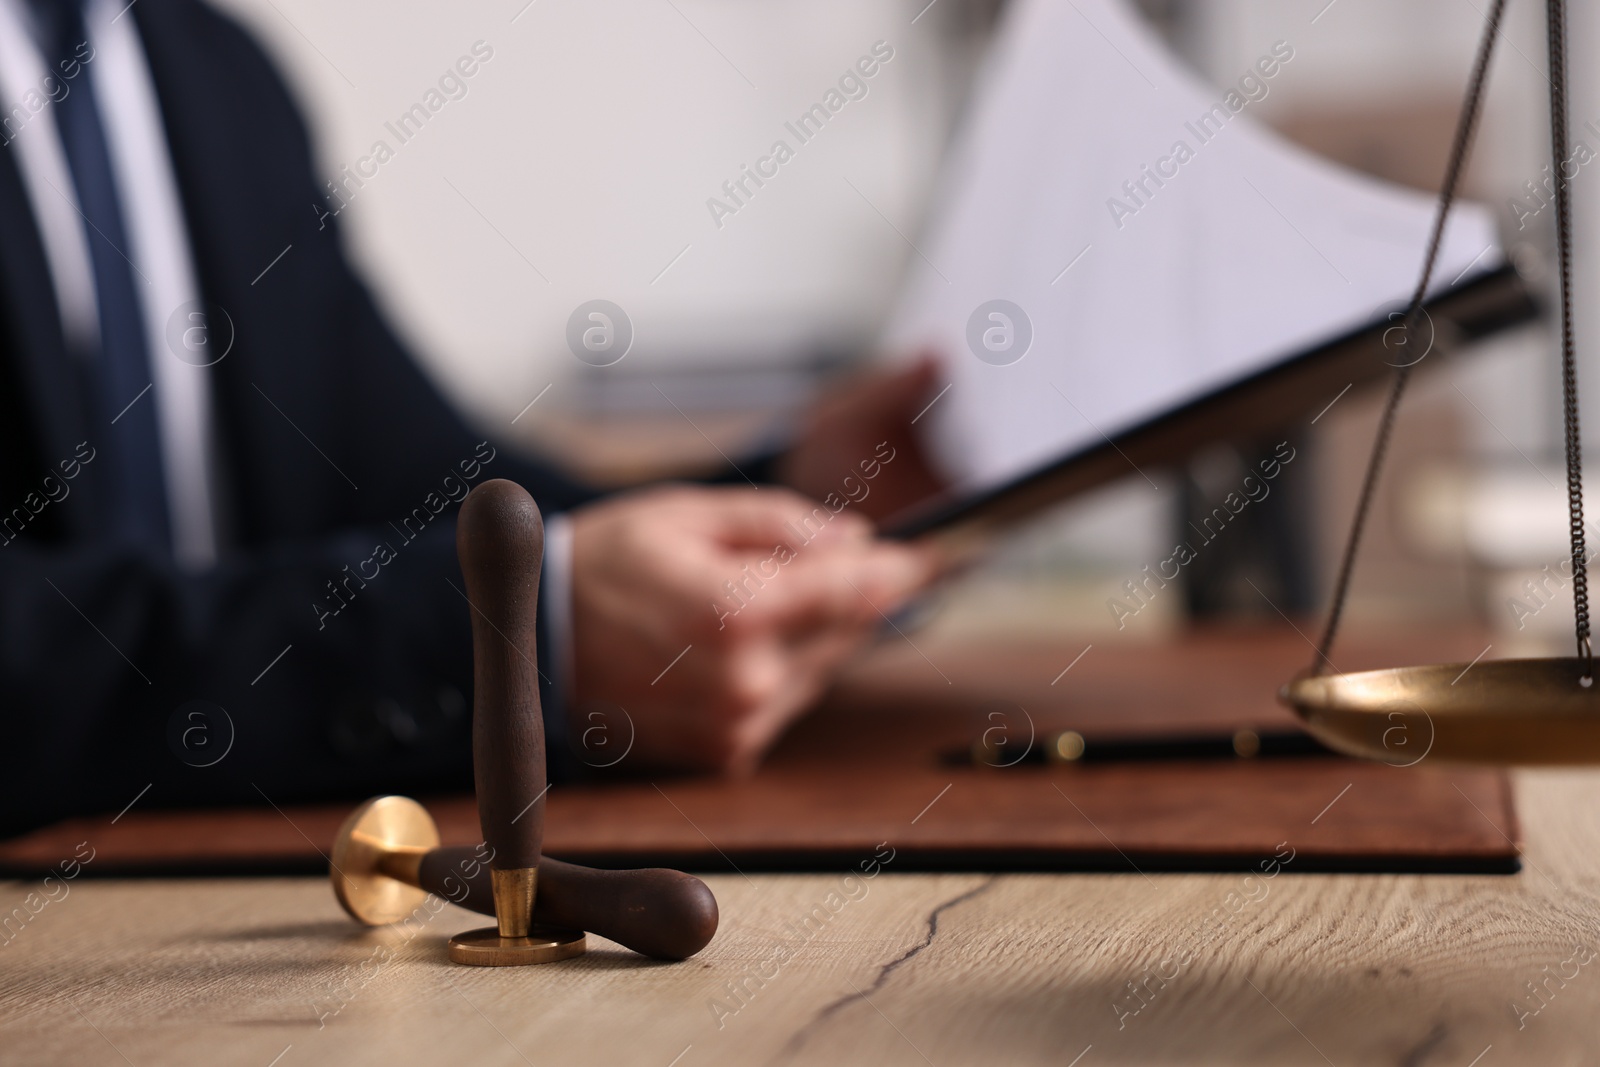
(1071, 747)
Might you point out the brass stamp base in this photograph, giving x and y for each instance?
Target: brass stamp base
(486, 948)
(375, 858)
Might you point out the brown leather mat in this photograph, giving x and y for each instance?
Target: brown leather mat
(875, 768)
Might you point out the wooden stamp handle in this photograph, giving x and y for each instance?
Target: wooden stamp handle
(500, 543)
(665, 914)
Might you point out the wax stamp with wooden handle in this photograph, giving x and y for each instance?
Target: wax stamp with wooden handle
(500, 543)
(387, 860)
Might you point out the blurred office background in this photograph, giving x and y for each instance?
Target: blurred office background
(578, 164)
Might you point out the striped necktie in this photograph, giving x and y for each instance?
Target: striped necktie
(122, 400)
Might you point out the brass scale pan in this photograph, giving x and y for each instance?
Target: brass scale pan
(1526, 711)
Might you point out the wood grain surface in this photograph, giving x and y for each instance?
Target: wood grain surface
(893, 969)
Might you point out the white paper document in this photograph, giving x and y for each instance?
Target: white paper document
(1116, 237)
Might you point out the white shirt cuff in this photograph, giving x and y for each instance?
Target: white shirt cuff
(558, 604)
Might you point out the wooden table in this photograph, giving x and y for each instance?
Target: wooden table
(898, 969)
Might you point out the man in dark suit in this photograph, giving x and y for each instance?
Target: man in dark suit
(227, 566)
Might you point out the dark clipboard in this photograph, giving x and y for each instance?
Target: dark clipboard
(1271, 399)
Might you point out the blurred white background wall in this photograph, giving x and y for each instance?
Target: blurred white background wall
(579, 164)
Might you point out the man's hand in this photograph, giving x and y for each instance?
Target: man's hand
(714, 617)
(853, 427)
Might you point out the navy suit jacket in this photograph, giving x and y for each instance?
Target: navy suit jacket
(102, 651)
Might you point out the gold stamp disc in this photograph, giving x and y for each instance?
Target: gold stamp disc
(486, 948)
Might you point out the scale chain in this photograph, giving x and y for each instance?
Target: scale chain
(1447, 192)
(1556, 22)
